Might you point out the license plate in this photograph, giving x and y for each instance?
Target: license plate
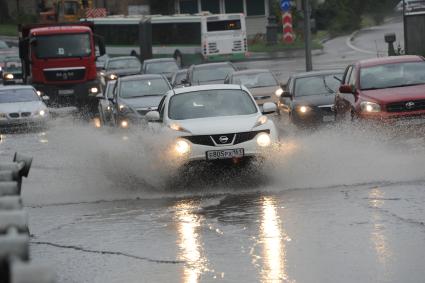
(225, 154)
(329, 118)
(65, 91)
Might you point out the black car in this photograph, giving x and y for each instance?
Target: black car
(308, 97)
(162, 66)
(118, 67)
(211, 73)
(136, 95)
(12, 71)
(178, 78)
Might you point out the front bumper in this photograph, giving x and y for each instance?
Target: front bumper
(314, 116)
(9, 123)
(70, 94)
(250, 148)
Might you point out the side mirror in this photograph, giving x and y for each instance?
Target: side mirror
(152, 116)
(269, 107)
(45, 97)
(346, 89)
(282, 86)
(99, 96)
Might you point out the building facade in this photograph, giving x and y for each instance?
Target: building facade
(256, 11)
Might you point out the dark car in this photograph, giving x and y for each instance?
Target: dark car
(390, 89)
(211, 73)
(309, 97)
(261, 83)
(162, 66)
(119, 67)
(134, 96)
(178, 78)
(105, 104)
(12, 71)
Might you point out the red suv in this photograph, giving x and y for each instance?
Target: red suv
(390, 89)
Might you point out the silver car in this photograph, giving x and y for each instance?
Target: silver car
(21, 106)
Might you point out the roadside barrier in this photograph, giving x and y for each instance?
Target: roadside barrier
(15, 265)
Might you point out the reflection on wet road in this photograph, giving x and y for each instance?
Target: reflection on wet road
(272, 238)
(190, 241)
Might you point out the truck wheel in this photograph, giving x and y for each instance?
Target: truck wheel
(179, 58)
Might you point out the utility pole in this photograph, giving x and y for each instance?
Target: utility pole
(307, 36)
(271, 28)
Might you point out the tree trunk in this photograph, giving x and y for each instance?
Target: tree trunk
(4, 12)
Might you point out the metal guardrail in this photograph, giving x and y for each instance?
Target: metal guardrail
(15, 265)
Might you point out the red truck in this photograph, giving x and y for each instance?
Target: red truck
(59, 60)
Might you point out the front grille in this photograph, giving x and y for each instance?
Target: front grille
(14, 115)
(26, 114)
(223, 139)
(326, 110)
(405, 106)
(232, 138)
(237, 45)
(71, 74)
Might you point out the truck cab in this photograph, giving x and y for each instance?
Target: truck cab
(60, 62)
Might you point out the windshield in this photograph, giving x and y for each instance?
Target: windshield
(263, 79)
(143, 87)
(210, 103)
(13, 66)
(213, 73)
(18, 95)
(3, 45)
(63, 46)
(317, 85)
(392, 75)
(161, 67)
(129, 63)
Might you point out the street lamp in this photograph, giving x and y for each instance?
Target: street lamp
(271, 28)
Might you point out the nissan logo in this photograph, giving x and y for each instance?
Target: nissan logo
(223, 139)
(410, 105)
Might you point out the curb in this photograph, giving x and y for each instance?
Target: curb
(295, 53)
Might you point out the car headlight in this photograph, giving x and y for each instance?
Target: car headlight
(113, 77)
(102, 73)
(42, 112)
(93, 90)
(303, 109)
(264, 140)
(123, 108)
(9, 76)
(279, 92)
(370, 107)
(182, 147)
(39, 93)
(124, 124)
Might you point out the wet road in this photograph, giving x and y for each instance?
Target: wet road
(335, 205)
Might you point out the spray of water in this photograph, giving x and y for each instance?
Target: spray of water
(74, 161)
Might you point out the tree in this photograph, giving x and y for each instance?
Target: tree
(4, 12)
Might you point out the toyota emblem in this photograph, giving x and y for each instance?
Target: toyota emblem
(410, 105)
(223, 139)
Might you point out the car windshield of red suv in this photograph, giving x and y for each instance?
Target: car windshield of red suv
(392, 75)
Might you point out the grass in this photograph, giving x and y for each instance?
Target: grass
(261, 46)
(8, 30)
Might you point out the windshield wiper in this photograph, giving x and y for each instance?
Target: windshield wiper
(145, 95)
